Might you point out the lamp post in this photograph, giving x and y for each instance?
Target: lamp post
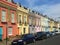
(6, 32)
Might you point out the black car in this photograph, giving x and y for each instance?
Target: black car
(53, 33)
(48, 34)
(25, 39)
(40, 35)
(28, 38)
(14, 42)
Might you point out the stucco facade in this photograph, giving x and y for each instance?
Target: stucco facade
(46, 21)
(38, 23)
(42, 24)
(22, 13)
(8, 22)
(51, 25)
(32, 20)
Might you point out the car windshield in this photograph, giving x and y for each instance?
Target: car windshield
(39, 32)
(27, 35)
(47, 32)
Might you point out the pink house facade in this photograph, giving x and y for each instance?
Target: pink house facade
(38, 23)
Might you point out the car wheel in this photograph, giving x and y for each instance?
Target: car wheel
(33, 40)
(24, 43)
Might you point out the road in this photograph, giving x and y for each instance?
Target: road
(55, 40)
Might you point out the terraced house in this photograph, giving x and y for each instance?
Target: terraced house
(32, 20)
(22, 13)
(42, 23)
(8, 22)
(46, 25)
(18, 20)
(58, 27)
(38, 22)
(51, 25)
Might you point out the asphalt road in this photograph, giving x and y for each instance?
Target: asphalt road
(55, 40)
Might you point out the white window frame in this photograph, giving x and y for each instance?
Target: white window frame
(3, 19)
(10, 30)
(19, 19)
(25, 19)
(12, 18)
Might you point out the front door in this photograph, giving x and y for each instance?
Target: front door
(1, 33)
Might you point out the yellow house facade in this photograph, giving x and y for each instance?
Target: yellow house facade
(51, 23)
(22, 13)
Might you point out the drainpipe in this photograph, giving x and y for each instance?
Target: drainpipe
(6, 33)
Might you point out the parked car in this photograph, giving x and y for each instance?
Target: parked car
(57, 32)
(53, 33)
(14, 42)
(40, 35)
(24, 39)
(48, 34)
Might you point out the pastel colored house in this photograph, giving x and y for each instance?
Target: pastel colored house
(22, 13)
(38, 22)
(31, 19)
(42, 23)
(46, 23)
(58, 26)
(51, 23)
(55, 26)
(8, 22)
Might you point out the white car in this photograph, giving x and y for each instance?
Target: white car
(57, 32)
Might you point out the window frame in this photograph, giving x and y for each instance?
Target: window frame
(20, 19)
(6, 14)
(10, 32)
(11, 17)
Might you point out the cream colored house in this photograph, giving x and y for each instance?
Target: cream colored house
(22, 14)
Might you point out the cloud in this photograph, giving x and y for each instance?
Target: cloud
(31, 3)
(50, 10)
(48, 7)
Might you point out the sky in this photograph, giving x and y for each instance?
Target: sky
(51, 8)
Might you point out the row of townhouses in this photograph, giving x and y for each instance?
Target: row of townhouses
(18, 20)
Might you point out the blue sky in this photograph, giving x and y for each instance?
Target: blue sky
(50, 8)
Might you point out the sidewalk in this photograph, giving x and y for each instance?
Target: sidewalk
(8, 41)
(4, 42)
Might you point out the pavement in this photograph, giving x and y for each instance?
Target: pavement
(55, 40)
(3, 42)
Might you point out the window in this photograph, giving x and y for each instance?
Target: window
(9, 0)
(24, 30)
(20, 19)
(3, 16)
(12, 18)
(10, 31)
(30, 21)
(25, 20)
